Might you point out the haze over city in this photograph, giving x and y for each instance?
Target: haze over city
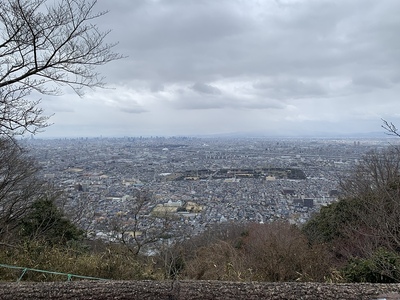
(251, 67)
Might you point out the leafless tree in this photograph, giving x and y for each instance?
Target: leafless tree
(375, 171)
(390, 128)
(19, 186)
(80, 210)
(137, 226)
(280, 252)
(275, 251)
(375, 186)
(44, 46)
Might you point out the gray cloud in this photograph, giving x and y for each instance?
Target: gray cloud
(290, 88)
(133, 110)
(156, 87)
(193, 101)
(371, 81)
(201, 40)
(288, 60)
(206, 89)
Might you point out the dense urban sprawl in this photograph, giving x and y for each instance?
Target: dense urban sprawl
(200, 181)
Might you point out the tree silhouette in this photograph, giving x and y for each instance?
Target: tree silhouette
(139, 227)
(42, 48)
(19, 186)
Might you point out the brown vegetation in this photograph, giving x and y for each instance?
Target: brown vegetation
(262, 252)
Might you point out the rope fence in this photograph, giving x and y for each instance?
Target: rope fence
(69, 276)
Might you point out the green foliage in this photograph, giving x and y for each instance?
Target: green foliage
(362, 229)
(328, 224)
(47, 222)
(382, 266)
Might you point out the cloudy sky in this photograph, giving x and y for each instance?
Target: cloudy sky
(201, 67)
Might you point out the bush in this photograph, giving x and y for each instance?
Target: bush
(280, 252)
(262, 252)
(114, 262)
(382, 266)
(46, 222)
(331, 221)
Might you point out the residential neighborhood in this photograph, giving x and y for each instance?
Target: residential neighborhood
(200, 181)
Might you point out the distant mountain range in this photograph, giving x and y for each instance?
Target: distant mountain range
(317, 134)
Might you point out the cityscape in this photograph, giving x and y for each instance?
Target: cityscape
(201, 182)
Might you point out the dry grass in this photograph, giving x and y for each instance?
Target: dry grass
(113, 262)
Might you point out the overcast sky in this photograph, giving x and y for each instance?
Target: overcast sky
(283, 67)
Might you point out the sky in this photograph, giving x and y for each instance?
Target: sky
(266, 67)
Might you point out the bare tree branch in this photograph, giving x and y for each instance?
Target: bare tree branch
(19, 186)
(138, 227)
(390, 128)
(375, 184)
(44, 47)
